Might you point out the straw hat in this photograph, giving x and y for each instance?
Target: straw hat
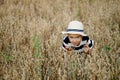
(75, 27)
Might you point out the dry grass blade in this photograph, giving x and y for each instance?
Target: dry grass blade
(30, 39)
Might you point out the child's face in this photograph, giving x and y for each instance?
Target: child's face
(75, 39)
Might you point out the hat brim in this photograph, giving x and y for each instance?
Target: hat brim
(72, 32)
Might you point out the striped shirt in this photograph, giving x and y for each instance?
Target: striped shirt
(80, 47)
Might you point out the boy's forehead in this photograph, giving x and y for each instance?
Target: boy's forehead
(74, 35)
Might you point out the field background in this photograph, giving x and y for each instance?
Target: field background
(30, 39)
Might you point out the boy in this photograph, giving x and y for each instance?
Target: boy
(76, 39)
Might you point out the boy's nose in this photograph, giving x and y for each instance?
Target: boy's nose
(74, 40)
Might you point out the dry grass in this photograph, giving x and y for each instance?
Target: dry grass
(30, 39)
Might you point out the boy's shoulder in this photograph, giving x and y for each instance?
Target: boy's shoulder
(85, 38)
(66, 39)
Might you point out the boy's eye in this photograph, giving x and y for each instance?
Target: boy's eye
(74, 37)
(78, 37)
(71, 37)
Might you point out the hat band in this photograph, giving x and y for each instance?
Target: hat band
(76, 30)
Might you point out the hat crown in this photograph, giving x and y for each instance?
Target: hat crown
(75, 25)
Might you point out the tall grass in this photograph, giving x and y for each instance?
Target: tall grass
(30, 40)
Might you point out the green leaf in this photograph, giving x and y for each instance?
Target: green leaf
(107, 48)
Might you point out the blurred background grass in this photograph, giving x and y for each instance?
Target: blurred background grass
(30, 39)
